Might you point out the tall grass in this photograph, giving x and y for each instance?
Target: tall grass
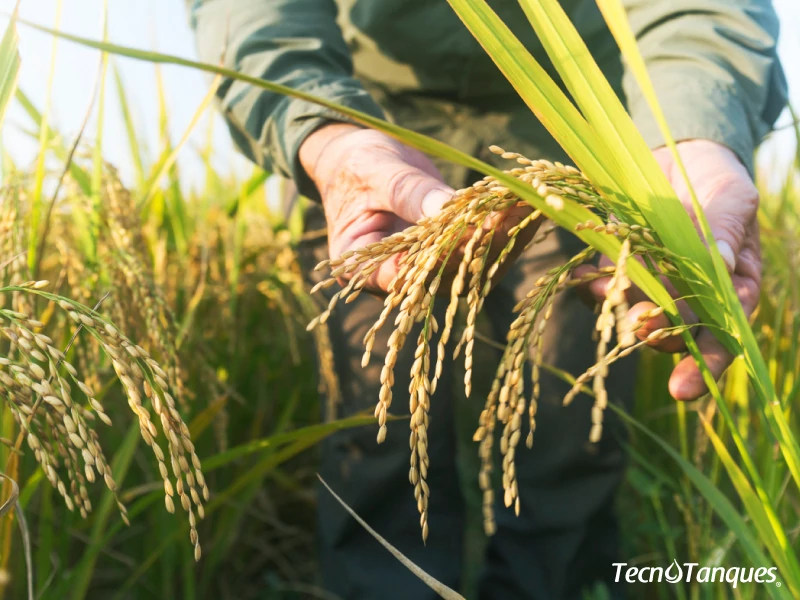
(210, 283)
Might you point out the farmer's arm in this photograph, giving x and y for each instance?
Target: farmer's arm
(296, 43)
(718, 79)
(715, 69)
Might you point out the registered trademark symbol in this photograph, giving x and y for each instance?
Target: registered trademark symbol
(778, 584)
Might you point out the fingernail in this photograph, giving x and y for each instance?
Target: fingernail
(687, 387)
(727, 254)
(434, 200)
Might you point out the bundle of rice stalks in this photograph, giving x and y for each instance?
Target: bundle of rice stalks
(46, 347)
(426, 253)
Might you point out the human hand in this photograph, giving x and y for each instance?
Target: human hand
(372, 186)
(730, 201)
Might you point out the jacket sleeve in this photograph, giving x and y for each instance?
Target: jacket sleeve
(293, 42)
(715, 68)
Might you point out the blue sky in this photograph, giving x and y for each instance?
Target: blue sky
(162, 25)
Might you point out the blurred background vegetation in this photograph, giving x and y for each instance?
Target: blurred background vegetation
(210, 283)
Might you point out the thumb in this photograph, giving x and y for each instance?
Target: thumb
(725, 190)
(729, 211)
(413, 194)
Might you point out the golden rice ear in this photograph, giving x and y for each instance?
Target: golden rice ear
(58, 426)
(459, 240)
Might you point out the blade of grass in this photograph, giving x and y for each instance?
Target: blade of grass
(97, 148)
(628, 157)
(206, 416)
(78, 584)
(9, 63)
(12, 502)
(45, 538)
(437, 586)
(254, 183)
(81, 177)
(134, 143)
(167, 159)
(39, 170)
(68, 164)
(169, 200)
(770, 532)
(295, 442)
(542, 95)
(314, 432)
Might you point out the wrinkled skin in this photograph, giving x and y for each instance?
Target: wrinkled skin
(372, 186)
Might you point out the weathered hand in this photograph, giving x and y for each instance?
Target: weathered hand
(730, 201)
(372, 186)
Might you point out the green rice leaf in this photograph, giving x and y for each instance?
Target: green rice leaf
(9, 64)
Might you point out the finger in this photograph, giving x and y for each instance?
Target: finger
(637, 318)
(729, 199)
(593, 291)
(496, 228)
(414, 194)
(360, 230)
(584, 289)
(686, 381)
(672, 343)
(664, 159)
(366, 229)
(747, 277)
(501, 223)
(598, 287)
(383, 278)
(749, 264)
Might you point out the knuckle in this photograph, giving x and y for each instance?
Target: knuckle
(402, 184)
(728, 227)
(733, 187)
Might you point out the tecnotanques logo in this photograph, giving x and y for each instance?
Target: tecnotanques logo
(692, 572)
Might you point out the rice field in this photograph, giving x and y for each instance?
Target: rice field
(160, 411)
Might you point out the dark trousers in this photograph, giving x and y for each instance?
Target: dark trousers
(566, 536)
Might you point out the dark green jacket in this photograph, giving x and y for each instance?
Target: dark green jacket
(713, 62)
